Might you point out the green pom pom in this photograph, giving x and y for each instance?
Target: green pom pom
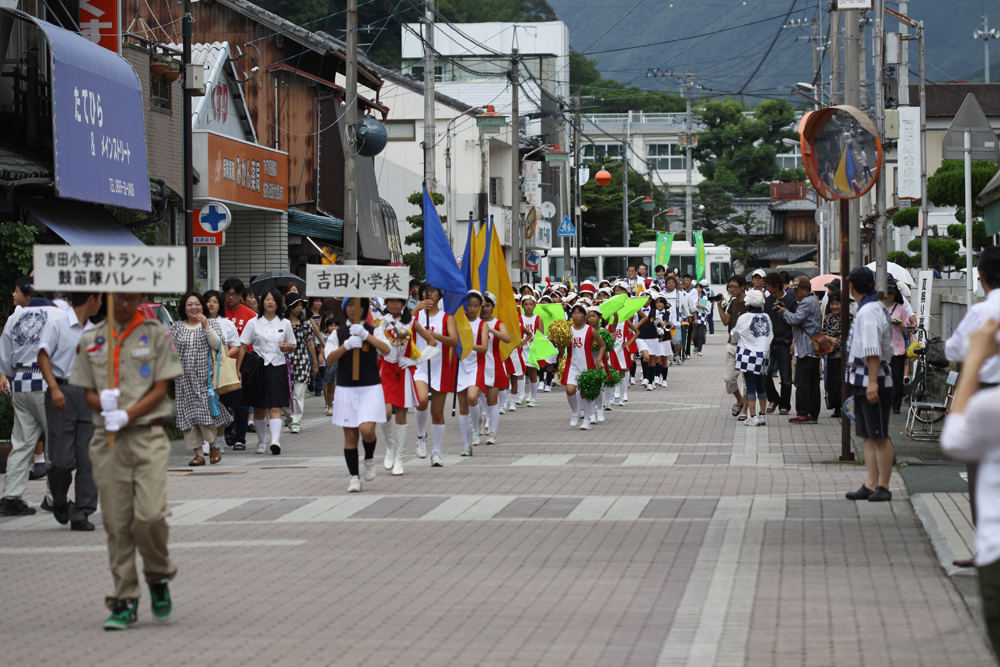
(590, 383)
(607, 337)
(612, 378)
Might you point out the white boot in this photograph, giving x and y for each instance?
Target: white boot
(387, 435)
(397, 465)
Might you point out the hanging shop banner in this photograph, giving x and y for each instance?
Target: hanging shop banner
(101, 23)
(384, 282)
(98, 133)
(908, 179)
(922, 304)
(131, 269)
(239, 172)
(664, 243)
(699, 255)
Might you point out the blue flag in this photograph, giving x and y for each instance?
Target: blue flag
(441, 271)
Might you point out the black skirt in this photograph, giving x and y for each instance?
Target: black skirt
(269, 390)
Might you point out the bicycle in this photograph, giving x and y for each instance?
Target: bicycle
(922, 389)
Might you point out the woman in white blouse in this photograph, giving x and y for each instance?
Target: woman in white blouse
(231, 338)
(271, 338)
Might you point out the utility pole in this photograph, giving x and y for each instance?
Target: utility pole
(188, 148)
(986, 35)
(881, 245)
(903, 71)
(923, 148)
(863, 65)
(578, 211)
(852, 97)
(836, 66)
(689, 189)
(625, 165)
(430, 131)
(351, 117)
(516, 228)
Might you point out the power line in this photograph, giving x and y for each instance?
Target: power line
(616, 24)
(768, 52)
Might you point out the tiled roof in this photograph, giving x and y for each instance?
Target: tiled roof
(19, 163)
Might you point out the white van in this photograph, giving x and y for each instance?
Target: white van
(608, 263)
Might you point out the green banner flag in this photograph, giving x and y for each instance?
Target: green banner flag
(631, 307)
(699, 255)
(664, 243)
(550, 312)
(612, 305)
(541, 348)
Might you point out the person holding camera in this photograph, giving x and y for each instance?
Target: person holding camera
(781, 344)
(805, 322)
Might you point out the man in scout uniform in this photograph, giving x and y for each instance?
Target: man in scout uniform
(132, 477)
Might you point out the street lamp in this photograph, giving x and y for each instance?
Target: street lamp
(669, 212)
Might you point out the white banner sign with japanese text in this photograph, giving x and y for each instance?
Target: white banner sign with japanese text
(385, 282)
(922, 304)
(127, 269)
(865, 5)
(908, 186)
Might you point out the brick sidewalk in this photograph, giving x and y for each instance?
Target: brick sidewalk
(669, 535)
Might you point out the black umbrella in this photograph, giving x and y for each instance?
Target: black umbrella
(279, 279)
(795, 273)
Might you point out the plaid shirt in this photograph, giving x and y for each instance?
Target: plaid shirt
(870, 336)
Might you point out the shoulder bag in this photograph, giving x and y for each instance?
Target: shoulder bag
(821, 344)
(223, 370)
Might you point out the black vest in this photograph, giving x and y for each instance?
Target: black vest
(368, 359)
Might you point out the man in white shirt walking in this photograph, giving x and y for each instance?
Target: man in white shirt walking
(69, 418)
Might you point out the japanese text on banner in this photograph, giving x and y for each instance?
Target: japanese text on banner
(385, 282)
(156, 269)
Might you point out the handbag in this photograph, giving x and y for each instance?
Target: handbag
(821, 344)
(224, 378)
(251, 368)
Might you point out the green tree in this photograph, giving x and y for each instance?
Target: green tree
(737, 235)
(718, 210)
(415, 260)
(17, 241)
(942, 253)
(740, 153)
(602, 221)
(907, 217)
(946, 187)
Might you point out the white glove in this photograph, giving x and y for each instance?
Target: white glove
(429, 353)
(353, 343)
(406, 362)
(359, 331)
(114, 420)
(109, 399)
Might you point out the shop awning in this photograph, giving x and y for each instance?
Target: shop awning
(77, 223)
(316, 227)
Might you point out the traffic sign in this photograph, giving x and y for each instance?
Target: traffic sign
(566, 228)
(984, 141)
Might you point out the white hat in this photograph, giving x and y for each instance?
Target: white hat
(904, 289)
(759, 272)
(754, 299)
(704, 282)
(476, 293)
(595, 309)
(529, 296)
(491, 297)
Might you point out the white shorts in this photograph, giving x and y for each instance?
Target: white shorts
(421, 374)
(466, 375)
(353, 406)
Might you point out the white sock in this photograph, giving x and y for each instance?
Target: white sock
(465, 426)
(624, 386)
(388, 433)
(421, 423)
(587, 407)
(275, 431)
(609, 393)
(475, 414)
(261, 426)
(39, 458)
(220, 440)
(573, 405)
(494, 418)
(400, 441)
(501, 400)
(533, 389)
(437, 434)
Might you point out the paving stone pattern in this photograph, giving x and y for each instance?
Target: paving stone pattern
(670, 535)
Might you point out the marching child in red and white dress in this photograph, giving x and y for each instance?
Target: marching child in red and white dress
(530, 324)
(396, 369)
(435, 378)
(492, 376)
(515, 366)
(580, 358)
(466, 390)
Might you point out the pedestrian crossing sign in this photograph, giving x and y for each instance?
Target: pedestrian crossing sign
(566, 228)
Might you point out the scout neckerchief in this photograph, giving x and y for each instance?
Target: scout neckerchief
(137, 319)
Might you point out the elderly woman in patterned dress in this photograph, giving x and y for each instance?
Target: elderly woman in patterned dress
(197, 338)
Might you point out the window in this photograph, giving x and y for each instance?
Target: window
(418, 71)
(496, 191)
(721, 272)
(159, 93)
(401, 130)
(666, 157)
(790, 160)
(602, 153)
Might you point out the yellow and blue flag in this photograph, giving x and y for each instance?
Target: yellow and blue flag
(442, 271)
(494, 275)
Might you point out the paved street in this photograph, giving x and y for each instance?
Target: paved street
(669, 535)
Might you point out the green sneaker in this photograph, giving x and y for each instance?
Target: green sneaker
(160, 596)
(122, 616)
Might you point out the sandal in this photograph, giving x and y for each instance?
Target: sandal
(214, 455)
(197, 461)
(239, 447)
(736, 409)
(741, 418)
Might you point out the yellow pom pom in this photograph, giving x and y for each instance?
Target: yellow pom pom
(560, 333)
